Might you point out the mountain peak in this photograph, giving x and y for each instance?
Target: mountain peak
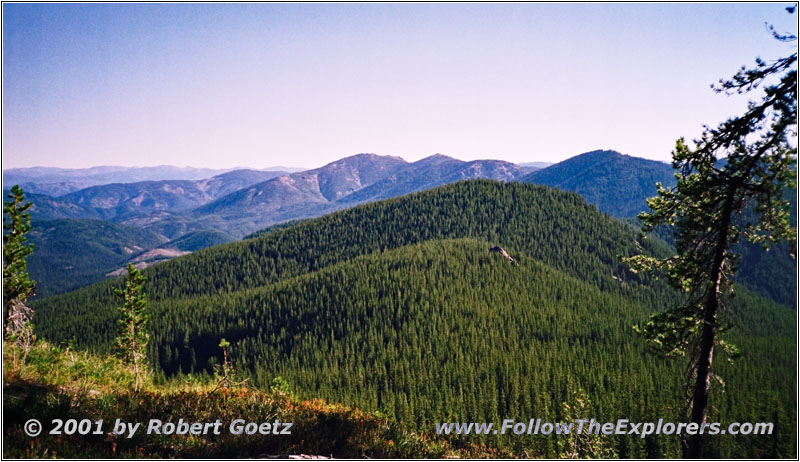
(601, 154)
(435, 159)
(365, 157)
(617, 183)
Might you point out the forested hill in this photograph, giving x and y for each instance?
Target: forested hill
(61, 264)
(559, 228)
(618, 184)
(399, 306)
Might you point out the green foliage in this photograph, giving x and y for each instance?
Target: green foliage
(281, 385)
(199, 240)
(707, 207)
(400, 307)
(67, 384)
(17, 284)
(771, 272)
(72, 253)
(65, 367)
(132, 337)
(586, 445)
(226, 374)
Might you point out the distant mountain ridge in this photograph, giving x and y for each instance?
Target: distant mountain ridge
(59, 181)
(536, 165)
(188, 215)
(433, 171)
(344, 183)
(618, 184)
(121, 201)
(111, 174)
(292, 194)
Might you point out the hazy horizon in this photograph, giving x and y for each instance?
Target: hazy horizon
(301, 85)
(294, 168)
(238, 167)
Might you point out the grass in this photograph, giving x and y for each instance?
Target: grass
(61, 383)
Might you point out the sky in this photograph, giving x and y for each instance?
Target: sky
(300, 85)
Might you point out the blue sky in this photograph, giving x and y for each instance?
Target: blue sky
(256, 85)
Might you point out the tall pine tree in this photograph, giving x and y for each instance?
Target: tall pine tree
(707, 207)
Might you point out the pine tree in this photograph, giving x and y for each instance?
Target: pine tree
(17, 284)
(707, 209)
(131, 343)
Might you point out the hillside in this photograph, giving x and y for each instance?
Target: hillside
(226, 183)
(50, 208)
(556, 227)
(618, 184)
(398, 306)
(79, 237)
(99, 388)
(771, 273)
(198, 240)
(73, 253)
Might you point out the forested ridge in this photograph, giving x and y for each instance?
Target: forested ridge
(611, 181)
(72, 253)
(618, 184)
(556, 227)
(399, 307)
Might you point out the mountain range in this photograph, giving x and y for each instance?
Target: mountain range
(182, 215)
(59, 181)
(429, 291)
(243, 201)
(344, 183)
(121, 201)
(401, 307)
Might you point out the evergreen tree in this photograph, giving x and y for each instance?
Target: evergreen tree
(17, 284)
(706, 207)
(131, 343)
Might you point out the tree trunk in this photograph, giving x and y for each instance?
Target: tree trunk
(694, 449)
